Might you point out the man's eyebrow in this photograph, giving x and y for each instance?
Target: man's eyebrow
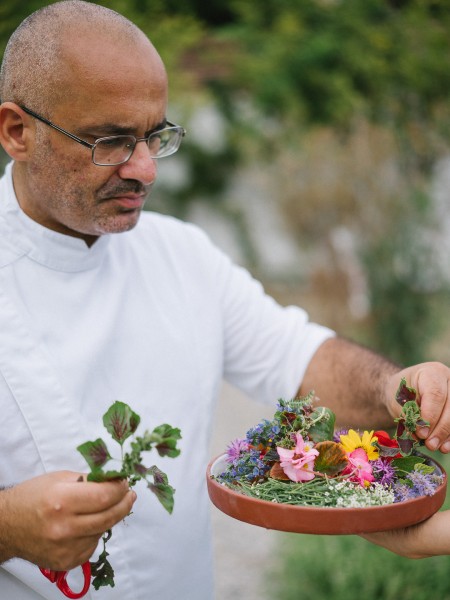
(107, 129)
(157, 127)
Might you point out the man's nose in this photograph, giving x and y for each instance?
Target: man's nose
(140, 166)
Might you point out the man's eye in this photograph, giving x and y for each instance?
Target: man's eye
(116, 142)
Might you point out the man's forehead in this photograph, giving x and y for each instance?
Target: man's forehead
(113, 71)
(86, 50)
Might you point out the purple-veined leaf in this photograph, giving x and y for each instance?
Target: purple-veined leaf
(163, 438)
(140, 469)
(121, 421)
(161, 488)
(167, 445)
(95, 453)
(405, 393)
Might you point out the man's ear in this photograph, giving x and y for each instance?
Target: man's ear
(16, 135)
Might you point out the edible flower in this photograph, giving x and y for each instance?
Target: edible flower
(384, 440)
(359, 467)
(235, 449)
(352, 441)
(298, 463)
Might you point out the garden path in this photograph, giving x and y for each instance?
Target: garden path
(243, 553)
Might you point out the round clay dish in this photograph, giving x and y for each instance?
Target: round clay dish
(321, 520)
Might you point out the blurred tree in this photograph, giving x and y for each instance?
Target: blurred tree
(315, 63)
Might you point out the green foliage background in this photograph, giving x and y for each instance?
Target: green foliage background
(349, 568)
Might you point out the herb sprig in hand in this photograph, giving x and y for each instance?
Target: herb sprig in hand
(122, 422)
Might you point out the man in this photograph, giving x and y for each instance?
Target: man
(153, 315)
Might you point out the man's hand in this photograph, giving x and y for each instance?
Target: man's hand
(430, 538)
(56, 520)
(432, 382)
(360, 386)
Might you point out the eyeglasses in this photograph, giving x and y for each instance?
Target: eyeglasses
(115, 150)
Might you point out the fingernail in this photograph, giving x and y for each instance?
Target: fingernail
(445, 447)
(422, 432)
(433, 443)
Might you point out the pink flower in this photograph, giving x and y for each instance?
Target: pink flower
(359, 467)
(235, 449)
(298, 463)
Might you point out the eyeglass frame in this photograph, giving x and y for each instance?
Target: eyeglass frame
(169, 126)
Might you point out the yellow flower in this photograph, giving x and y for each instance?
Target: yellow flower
(352, 441)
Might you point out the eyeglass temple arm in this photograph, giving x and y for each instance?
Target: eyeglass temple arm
(60, 129)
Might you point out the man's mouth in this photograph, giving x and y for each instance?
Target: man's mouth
(129, 201)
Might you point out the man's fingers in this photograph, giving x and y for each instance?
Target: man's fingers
(439, 436)
(433, 387)
(98, 523)
(90, 497)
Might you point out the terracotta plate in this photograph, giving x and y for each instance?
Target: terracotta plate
(321, 520)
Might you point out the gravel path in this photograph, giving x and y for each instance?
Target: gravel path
(242, 552)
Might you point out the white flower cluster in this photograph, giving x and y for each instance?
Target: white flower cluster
(347, 494)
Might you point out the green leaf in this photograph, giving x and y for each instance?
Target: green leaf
(167, 445)
(164, 438)
(100, 476)
(102, 572)
(323, 429)
(121, 421)
(407, 464)
(95, 453)
(160, 487)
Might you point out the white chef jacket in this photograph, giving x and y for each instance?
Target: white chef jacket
(155, 317)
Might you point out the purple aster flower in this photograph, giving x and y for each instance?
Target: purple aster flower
(235, 449)
(384, 472)
(338, 433)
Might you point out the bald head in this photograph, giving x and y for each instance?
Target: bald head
(36, 66)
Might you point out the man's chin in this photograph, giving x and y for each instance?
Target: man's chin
(120, 223)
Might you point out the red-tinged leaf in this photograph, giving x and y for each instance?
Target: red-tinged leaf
(276, 472)
(332, 458)
(389, 451)
(288, 417)
(95, 453)
(388, 447)
(406, 445)
(405, 393)
(121, 421)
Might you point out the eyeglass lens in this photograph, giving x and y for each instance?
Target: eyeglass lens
(118, 149)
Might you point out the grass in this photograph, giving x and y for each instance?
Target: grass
(349, 568)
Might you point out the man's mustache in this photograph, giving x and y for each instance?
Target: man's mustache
(123, 188)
